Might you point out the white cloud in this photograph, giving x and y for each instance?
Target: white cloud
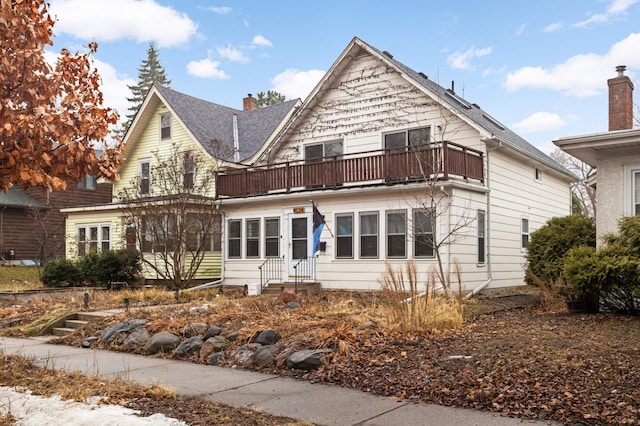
(206, 68)
(259, 40)
(615, 9)
(540, 122)
(293, 83)
(220, 10)
(140, 20)
(581, 75)
(462, 60)
(551, 28)
(233, 54)
(520, 29)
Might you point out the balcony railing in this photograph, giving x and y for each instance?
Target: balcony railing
(388, 166)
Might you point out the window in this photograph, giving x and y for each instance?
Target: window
(315, 153)
(158, 233)
(423, 233)
(481, 237)
(344, 236)
(130, 237)
(145, 177)
(524, 233)
(538, 175)
(234, 238)
(631, 186)
(253, 238)
(93, 238)
(369, 235)
(188, 171)
(199, 229)
(636, 192)
(272, 237)
(87, 182)
(165, 126)
(396, 234)
(415, 138)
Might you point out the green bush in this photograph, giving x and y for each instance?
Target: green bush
(61, 273)
(89, 273)
(549, 244)
(610, 274)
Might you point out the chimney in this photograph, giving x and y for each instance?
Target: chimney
(249, 103)
(620, 101)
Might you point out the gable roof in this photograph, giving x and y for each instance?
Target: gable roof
(207, 121)
(471, 113)
(15, 197)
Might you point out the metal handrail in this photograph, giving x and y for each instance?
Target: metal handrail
(271, 269)
(304, 269)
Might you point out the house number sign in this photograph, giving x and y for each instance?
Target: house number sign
(298, 210)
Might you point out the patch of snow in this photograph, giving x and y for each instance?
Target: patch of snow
(32, 410)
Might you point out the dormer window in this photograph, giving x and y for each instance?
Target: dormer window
(165, 126)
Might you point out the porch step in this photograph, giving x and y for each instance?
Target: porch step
(304, 288)
(70, 323)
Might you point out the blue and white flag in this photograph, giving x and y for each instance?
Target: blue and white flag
(318, 225)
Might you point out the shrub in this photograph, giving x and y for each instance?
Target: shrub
(110, 266)
(87, 268)
(550, 243)
(60, 273)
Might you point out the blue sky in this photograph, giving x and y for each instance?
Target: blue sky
(540, 67)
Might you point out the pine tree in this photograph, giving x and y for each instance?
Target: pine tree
(150, 71)
(270, 98)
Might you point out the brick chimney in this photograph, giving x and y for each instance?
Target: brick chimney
(249, 103)
(620, 101)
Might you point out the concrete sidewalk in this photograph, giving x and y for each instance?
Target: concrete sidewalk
(319, 404)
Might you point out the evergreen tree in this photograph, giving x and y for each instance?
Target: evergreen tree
(149, 72)
(270, 98)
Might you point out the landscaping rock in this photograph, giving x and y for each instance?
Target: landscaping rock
(194, 329)
(89, 341)
(161, 342)
(188, 347)
(307, 359)
(233, 336)
(136, 339)
(281, 358)
(216, 358)
(293, 305)
(243, 355)
(214, 330)
(122, 327)
(268, 337)
(212, 345)
(266, 355)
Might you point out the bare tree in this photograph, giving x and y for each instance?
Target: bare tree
(171, 217)
(583, 192)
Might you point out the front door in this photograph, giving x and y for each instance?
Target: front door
(300, 240)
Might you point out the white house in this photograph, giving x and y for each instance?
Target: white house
(396, 164)
(615, 154)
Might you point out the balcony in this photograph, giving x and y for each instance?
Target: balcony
(388, 166)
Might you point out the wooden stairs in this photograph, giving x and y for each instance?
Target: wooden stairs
(304, 288)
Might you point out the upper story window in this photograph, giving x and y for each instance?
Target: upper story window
(188, 170)
(165, 126)
(87, 182)
(316, 152)
(145, 178)
(399, 141)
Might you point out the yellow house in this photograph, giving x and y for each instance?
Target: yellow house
(193, 139)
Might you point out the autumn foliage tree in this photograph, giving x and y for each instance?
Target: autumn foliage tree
(51, 117)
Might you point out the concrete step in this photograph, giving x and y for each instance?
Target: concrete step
(75, 323)
(62, 331)
(275, 288)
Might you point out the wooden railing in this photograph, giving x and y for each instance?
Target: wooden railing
(389, 166)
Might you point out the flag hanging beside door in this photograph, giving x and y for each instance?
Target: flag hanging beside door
(318, 225)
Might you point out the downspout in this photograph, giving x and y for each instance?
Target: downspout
(236, 142)
(488, 219)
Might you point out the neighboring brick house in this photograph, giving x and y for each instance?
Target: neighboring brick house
(32, 228)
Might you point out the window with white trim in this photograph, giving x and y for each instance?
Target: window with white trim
(144, 179)
(482, 241)
(423, 240)
(524, 233)
(635, 180)
(188, 170)
(165, 126)
(369, 235)
(252, 243)
(93, 238)
(234, 238)
(158, 233)
(631, 188)
(414, 138)
(272, 237)
(397, 234)
(344, 236)
(87, 182)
